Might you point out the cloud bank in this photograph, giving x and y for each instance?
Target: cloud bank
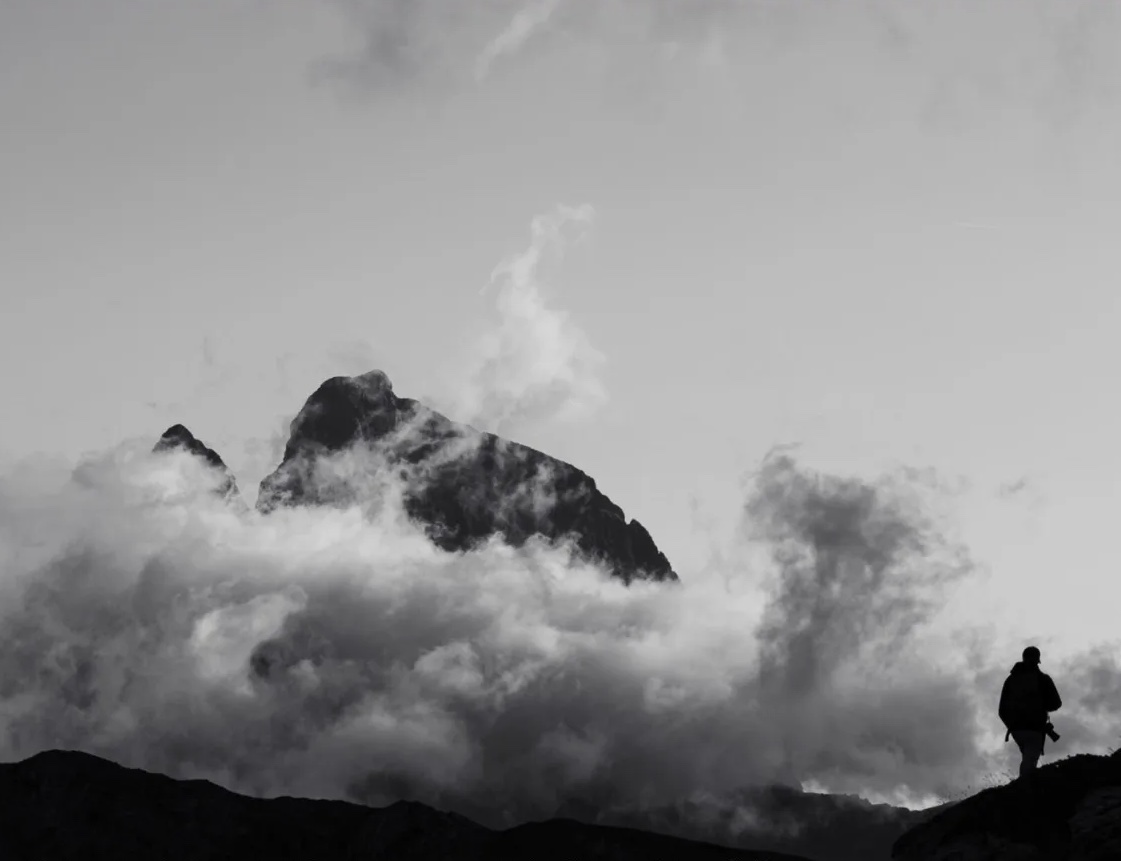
(317, 652)
(338, 653)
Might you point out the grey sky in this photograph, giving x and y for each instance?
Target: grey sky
(884, 231)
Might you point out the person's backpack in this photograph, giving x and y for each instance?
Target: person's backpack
(1022, 702)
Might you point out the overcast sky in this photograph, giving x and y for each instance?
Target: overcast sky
(882, 231)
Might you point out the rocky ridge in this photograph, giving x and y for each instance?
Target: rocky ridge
(1069, 810)
(355, 442)
(178, 438)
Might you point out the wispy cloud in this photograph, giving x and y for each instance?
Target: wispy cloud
(522, 25)
(944, 64)
(536, 365)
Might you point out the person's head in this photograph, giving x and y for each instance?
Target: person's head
(1031, 655)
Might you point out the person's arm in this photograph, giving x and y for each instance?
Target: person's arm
(1000, 708)
(1051, 695)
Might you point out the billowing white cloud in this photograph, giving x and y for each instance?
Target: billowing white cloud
(337, 652)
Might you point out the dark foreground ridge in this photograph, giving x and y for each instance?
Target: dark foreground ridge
(1069, 810)
(63, 805)
(178, 437)
(815, 825)
(463, 485)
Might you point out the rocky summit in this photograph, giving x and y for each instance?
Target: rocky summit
(178, 438)
(354, 441)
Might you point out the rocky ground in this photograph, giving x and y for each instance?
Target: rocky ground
(1069, 810)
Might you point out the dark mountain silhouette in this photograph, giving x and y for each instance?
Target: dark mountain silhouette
(817, 825)
(61, 805)
(1068, 810)
(177, 437)
(66, 805)
(463, 485)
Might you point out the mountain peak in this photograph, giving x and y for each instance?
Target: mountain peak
(178, 437)
(375, 382)
(462, 485)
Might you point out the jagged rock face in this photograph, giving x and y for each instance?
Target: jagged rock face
(462, 485)
(178, 437)
(1070, 809)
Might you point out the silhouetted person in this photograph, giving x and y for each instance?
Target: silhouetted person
(1026, 698)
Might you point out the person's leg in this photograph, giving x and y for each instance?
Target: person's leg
(1031, 748)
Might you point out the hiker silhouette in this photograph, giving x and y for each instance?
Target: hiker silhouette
(1026, 698)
